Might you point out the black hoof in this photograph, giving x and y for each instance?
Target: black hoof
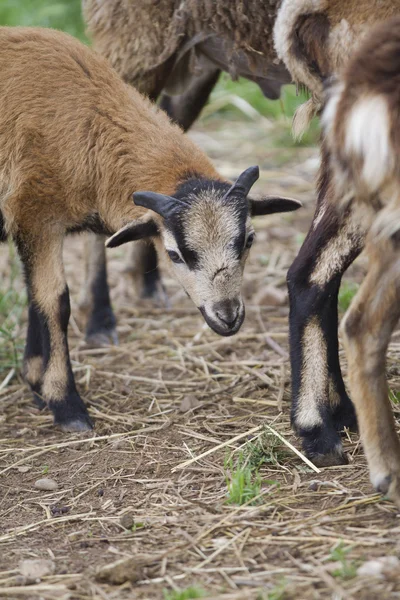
(102, 337)
(71, 414)
(337, 457)
(101, 328)
(323, 446)
(154, 290)
(76, 425)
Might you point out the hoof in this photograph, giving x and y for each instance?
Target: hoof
(101, 338)
(322, 445)
(156, 295)
(71, 414)
(331, 459)
(384, 484)
(76, 425)
(389, 486)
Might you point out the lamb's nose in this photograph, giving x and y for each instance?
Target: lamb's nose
(227, 311)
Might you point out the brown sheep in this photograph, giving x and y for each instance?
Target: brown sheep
(76, 142)
(315, 39)
(177, 47)
(362, 128)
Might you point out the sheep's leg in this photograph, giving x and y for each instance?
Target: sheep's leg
(33, 355)
(320, 405)
(95, 295)
(50, 311)
(142, 266)
(185, 108)
(367, 328)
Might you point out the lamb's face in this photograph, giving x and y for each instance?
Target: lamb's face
(205, 234)
(206, 243)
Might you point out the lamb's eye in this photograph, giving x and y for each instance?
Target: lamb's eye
(250, 240)
(174, 256)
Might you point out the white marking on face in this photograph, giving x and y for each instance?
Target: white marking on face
(210, 231)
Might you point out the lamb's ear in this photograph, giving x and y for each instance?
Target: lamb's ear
(133, 231)
(272, 204)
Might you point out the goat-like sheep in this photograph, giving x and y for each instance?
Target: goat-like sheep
(362, 128)
(315, 39)
(178, 47)
(76, 143)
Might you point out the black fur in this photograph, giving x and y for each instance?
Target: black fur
(71, 409)
(135, 232)
(184, 109)
(101, 319)
(151, 274)
(308, 300)
(92, 223)
(34, 348)
(3, 235)
(186, 193)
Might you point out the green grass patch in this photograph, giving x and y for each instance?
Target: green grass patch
(348, 568)
(243, 479)
(276, 593)
(266, 449)
(347, 291)
(186, 594)
(12, 306)
(243, 485)
(394, 396)
(61, 14)
(226, 100)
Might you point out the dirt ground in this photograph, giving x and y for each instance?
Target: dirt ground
(139, 490)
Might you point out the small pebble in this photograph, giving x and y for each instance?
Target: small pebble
(34, 570)
(24, 469)
(380, 567)
(56, 511)
(127, 521)
(188, 403)
(48, 485)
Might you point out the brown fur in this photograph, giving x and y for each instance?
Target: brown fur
(361, 141)
(75, 143)
(84, 142)
(315, 39)
(140, 38)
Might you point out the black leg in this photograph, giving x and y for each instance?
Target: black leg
(49, 317)
(185, 108)
(320, 404)
(95, 295)
(33, 355)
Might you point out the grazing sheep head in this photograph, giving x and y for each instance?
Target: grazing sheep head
(205, 233)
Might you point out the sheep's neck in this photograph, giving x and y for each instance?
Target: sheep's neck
(148, 154)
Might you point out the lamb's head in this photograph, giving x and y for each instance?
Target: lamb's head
(205, 233)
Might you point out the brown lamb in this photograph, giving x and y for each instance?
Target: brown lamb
(75, 143)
